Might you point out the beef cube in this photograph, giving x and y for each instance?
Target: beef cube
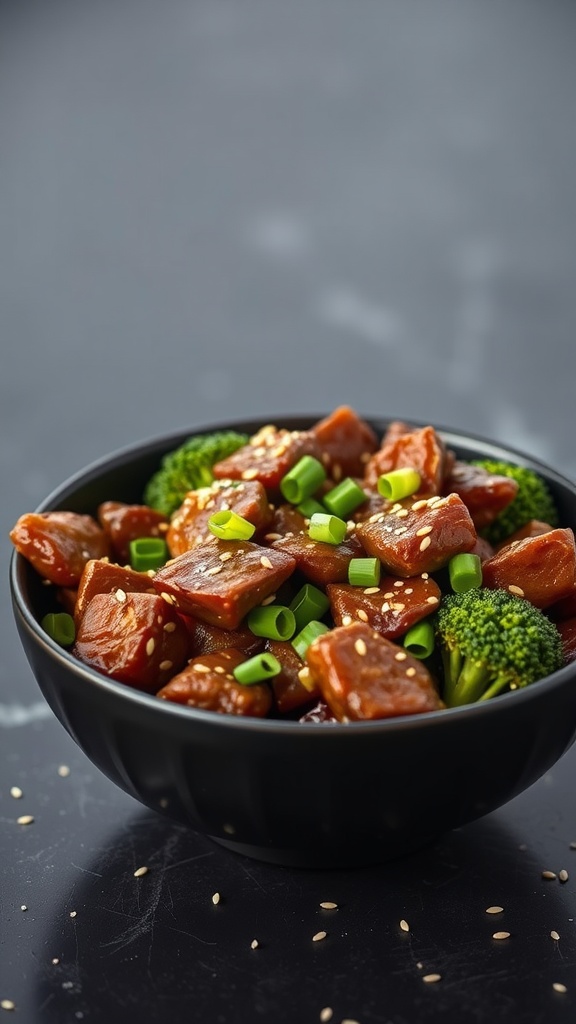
(102, 577)
(189, 524)
(207, 639)
(419, 536)
(135, 638)
(268, 456)
(567, 630)
(346, 442)
(542, 569)
(321, 563)
(362, 675)
(484, 494)
(58, 544)
(219, 582)
(390, 608)
(422, 449)
(124, 523)
(208, 683)
(288, 689)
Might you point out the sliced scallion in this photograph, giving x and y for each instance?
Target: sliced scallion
(364, 572)
(303, 479)
(419, 640)
(344, 498)
(309, 506)
(228, 525)
(327, 528)
(147, 553)
(465, 572)
(399, 483)
(273, 621)
(60, 626)
(301, 642)
(257, 669)
(310, 603)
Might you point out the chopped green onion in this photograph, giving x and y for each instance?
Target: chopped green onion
(419, 639)
(257, 669)
(465, 572)
(304, 638)
(309, 506)
(273, 621)
(303, 479)
(344, 498)
(364, 572)
(228, 525)
(309, 603)
(327, 528)
(60, 626)
(147, 553)
(399, 483)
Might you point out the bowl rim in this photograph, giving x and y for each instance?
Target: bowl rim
(150, 702)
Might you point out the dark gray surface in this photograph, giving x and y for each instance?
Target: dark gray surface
(214, 209)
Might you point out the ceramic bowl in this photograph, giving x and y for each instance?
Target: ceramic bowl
(314, 795)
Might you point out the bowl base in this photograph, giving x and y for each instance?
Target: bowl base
(352, 857)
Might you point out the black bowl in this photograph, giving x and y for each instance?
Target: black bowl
(312, 795)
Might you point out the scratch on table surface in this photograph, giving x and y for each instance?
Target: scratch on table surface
(12, 715)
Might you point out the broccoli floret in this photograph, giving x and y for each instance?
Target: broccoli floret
(492, 641)
(189, 467)
(532, 501)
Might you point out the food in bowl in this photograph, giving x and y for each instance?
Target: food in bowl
(327, 574)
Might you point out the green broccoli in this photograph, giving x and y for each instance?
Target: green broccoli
(533, 500)
(492, 641)
(189, 467)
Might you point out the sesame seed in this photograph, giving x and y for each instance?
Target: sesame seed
(563, 875)
(150, 645)
(409, 590)
(73, 913)
(169, 627)
(140, 872)
(216, 898)
(362, 614)
(327, 905)
(120, 595)
(410, 672)
(400, 656)
(431, 978)
(494, 910)
(8, 1004)
(273, 536)
(501, 935)
(319, 936)
(398, 583)
(371, 590)
(250, 474)
(225, 556)
(385, 607)
(23, 907)
(423, 531)
(63, 771)
(214, 570)
(400, 530)
(559, 987)
(16, 792)
(220, 669)
(549, 875)
(360, 646)
(554, 935)
(265, 561)
(405, 927)
(25, 819)
(326, 1014)
(254, 944)
(401, 513)
(425, 543)
(346, 620)
(168, 598)
(398, 606)
(268, 600)
(201, 668)
(432, 600)
(422, 503)
(516, 590)
(389, 594)
(55, 960)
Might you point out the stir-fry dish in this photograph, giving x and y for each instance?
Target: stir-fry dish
(321, 575)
